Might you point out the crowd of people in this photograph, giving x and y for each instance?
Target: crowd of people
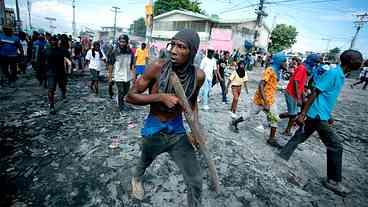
(311, 93)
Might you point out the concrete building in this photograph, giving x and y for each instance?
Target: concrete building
(107, 33)
(214, 33)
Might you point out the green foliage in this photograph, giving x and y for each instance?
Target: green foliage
(215, 16)
(282, 37)
(163, 6)
(332, 54)
(138, 27)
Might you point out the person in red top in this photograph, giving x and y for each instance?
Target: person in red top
(294, 93)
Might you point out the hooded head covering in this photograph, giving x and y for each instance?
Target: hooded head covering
(311, 61)
(277, 60)
(186, 74)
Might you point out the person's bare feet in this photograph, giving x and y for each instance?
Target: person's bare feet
(137, 188)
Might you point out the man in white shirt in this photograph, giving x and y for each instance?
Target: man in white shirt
(121, 67)
(208, 65)
(95, 58)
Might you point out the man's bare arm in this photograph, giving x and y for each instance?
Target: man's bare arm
(135, 95)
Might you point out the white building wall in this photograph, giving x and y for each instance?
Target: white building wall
(204, 36)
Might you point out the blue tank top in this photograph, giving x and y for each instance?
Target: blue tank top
(153, 125)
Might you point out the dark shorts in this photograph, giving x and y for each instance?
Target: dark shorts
(292, 105)
(53, 80)
(94, 74)
(139, 69)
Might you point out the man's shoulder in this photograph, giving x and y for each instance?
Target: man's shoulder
(155, 67)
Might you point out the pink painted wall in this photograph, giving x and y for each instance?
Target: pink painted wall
(221, 39)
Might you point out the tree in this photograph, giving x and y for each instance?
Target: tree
(138, 27)
(282, 37)
(332, 54)
(215, 16)
(163, 6)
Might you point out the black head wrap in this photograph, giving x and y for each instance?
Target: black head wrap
(241, 70)
(187, 74)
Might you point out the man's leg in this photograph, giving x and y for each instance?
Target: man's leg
(111, 89)
(292, 107)
(185, 158)
(365, 84)
(62, 81)
(51, 84)
(334, 158)
(120, 87)
(13, 71)
(302, 134)
(4, 70)
(151, 148)
(223, 91)
(206, 90)
(254, 110)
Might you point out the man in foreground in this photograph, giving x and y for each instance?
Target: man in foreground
(317, 112)
(163, 129)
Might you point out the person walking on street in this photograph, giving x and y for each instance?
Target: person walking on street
(121, 70)
(363, 76)
(56, 71)
(294, 94)
(9, 44)
(209, 66)
(141, 59)
(222, 64)
(163, 129)
(38, 59)
(237, 79)
(265, 97)
(316, 114)
(95, 59)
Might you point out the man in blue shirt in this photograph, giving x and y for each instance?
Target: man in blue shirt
(316, 114)
(38, 59)
(9, 44)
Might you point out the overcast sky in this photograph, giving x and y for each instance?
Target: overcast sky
(315, 20)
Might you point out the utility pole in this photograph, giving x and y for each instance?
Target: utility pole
(149, 22)
(18, 22)
(362, 19)
(115, 10)
(29, 15)
(73, 23)
(260, 14)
